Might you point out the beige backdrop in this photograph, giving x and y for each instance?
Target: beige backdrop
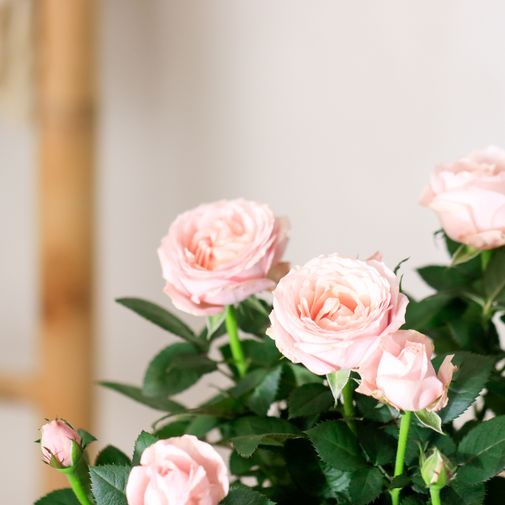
(333, 112)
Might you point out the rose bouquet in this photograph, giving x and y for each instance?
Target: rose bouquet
(340, 388)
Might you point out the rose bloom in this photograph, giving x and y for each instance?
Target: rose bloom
(221, 253)
(399, 372)
(469, 197)
(178, 471)
(56, 440)
(328, 313)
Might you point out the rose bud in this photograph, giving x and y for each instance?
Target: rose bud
(436, 469)
(469, 197)
(221, 253)
(57, 442)
(179, 470)
(328, 313)
(399, 372)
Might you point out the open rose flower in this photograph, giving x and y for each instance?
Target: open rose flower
(222, 253)
(328, 313)
(178, 471)
(399, 372)
(56, 441)
(469, 198)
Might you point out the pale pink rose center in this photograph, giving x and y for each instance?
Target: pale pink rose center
(220, 243)
(330, 305)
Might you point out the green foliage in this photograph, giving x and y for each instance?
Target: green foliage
(108, 483)
(337, 446)
(469, 380)
(337, 381)
(289, 438)
(162, 318)
(59, 497)
(144, 440)
(309, 400)
(265, 392)
(159, 403)
(111, 455)
(252, 316)
(245, 496)
(365, 486)
(482, 451)
(174, 369)
(250, 432)
(430, 420)
(422, 315)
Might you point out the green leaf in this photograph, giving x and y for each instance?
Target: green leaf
(111, 455)
(201, 425)
(309, 400)
(215, 325)
(379, 447)
(463, 254)
(337, 381)
(175, 429)
(248, 383)
(162, 403)
(483, 451)
(108, 483)
(252, 316)
(494, 277)
(413, 500)
(86, 437)
(160, 317)
(60, 497)
(443, 278)
(304, 376)
(262, 354)
(245, 496)
(337, 445)
(144, 440)
(174, 369)
(366, 485)
(337, 480)
(375, 411)
(420, 314)
(430, 420)
(250, 432)
(304, 466)
(469, 380)
(463, 494)
(264, 394)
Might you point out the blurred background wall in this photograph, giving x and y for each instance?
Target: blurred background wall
(333, 112)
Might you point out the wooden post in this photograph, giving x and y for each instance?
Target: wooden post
(65, 115)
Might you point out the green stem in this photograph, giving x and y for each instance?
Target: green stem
(485, 257)
(435, 496)
(78, 488)
(400, 453)
(349, 413)
(235, 345)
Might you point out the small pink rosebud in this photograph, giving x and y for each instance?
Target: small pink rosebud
(56, 441)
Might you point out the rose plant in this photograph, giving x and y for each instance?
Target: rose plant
(340, 387)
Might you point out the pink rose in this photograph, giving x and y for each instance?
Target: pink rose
(56, 440)
(221, 253)
(469, 198)
(399, 372)
(178, 471)
(328, 313)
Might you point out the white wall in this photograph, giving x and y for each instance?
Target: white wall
(333, 112)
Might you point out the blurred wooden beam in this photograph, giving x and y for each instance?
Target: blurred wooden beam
(66, 127)
(19, 387)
